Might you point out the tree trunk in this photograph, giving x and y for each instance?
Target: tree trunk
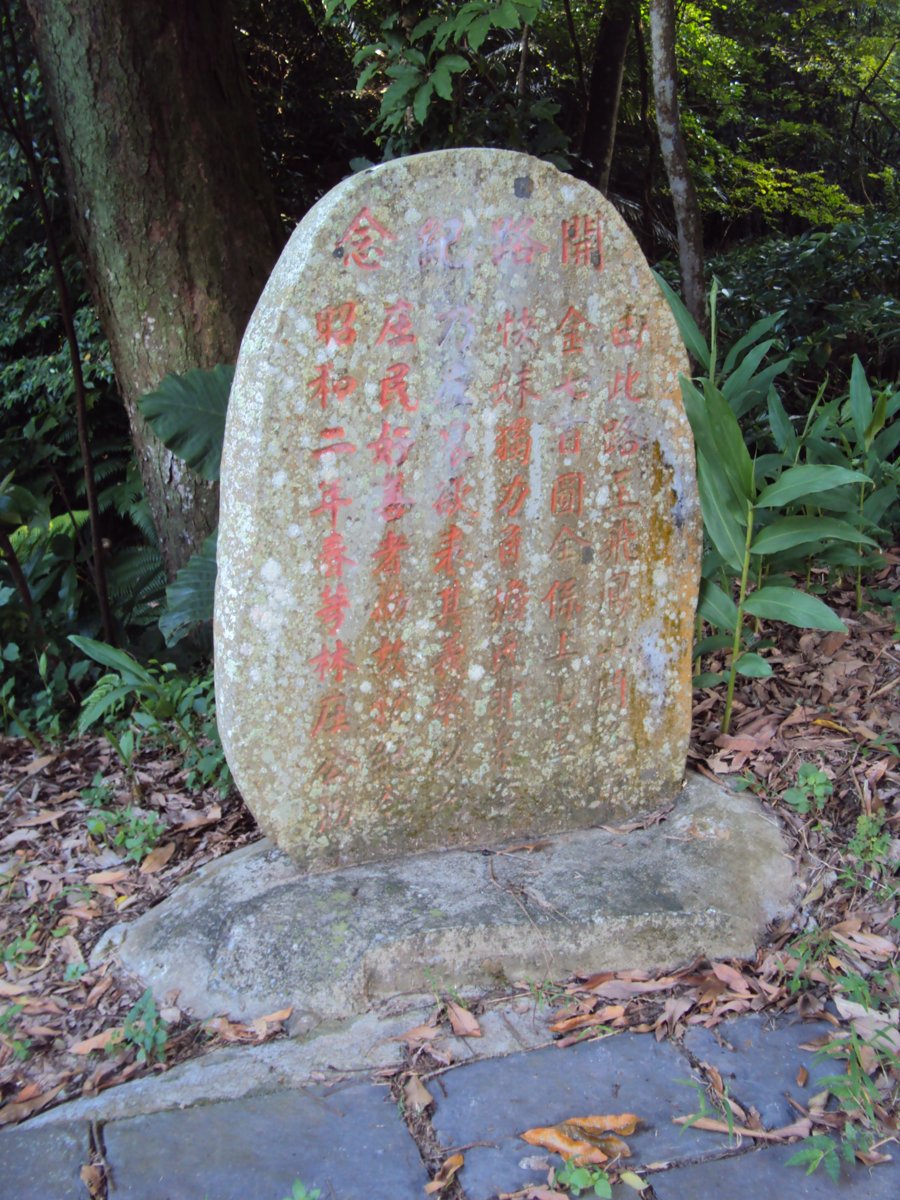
(605, 89)
(171, 204)
(688, 223)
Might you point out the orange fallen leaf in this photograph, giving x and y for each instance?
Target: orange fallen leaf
(418, 1035)
(798, 1129)
(17, 1111)
(448, 1169)
(157, 859)
(12, 989)
(92, 1178)
(114, 876)
(624, 1123)
(98, 1042)
(733, 978)
(609, 1012)
(462, 1022)
(551, 1137)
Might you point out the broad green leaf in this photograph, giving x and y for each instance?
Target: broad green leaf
(860, 401)
(478, 31)
(189, 597)
(780, 424)
(716, 606)
(97, 706)
(753, 666)
(794, 608)
(117, 660)
(797, 531)
(187, 414)
(798, 483)
(726, 533)
(753, 334)
(707, 679)
(758, 387)
(716, 641)
(734, 384)
(687, 326)
(422, 100)
(507, 15)
(886, 442)
(729, 448)
(875, 426)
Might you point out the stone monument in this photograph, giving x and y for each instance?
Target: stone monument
(460, 537)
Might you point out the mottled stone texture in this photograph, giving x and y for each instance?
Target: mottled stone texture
(459, 543)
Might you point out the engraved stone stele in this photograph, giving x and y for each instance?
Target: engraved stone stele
(459, 541)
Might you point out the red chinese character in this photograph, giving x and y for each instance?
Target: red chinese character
(504, 391)
(452, 499)
(569, 441)
(573, 388)
(450, 659)
(567, 494)
(513, 238)
(513, 442)
(506, 653)
(394, 386)
(569, 546)
(625, 381)
(620, 478)
(518, 331)
(383, 710)
(334, 324)
(616, 596)
(450, 611)
(621, 438)
(332, 715)
(510, 544)
(625, 334)
(563, 649)
(323, 386)
(455, 437)
(510, 601)
(332, 771)
(573, 328)
(333, 558)
(447, 704)
(515, 495)
(334, 607)
(332, 662)
(397, 329)
(620, 680)
(436, 238)
(389, 658)
(448, 551)
(620, 542)
(390, 605)
(562, 601)
(582, 241)
(332, 501)
(391, 448)
(334, 447)
(500, 701)
(363, 239)
(394, 504)
(387, 554)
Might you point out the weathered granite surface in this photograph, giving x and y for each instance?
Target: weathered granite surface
(459, 542)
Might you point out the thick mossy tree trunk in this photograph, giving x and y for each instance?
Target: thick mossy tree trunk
(605, 89)
(688, 222)
(172, 205)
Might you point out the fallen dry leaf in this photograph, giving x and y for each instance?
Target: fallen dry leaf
(157, 858)
(462, 1022)
(417, 1094)
(798, 1129)
(448, 1169)
(418, 1035)
(104, 877)
(18, 1110)
(92, 1178)
(98, 1042)
(551, 1137)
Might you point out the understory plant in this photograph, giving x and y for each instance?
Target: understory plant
(797, 498)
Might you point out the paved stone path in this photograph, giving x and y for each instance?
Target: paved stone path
(349, 1139)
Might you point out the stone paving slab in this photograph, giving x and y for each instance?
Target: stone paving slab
(759, 1062)
(485, 1106)
(349, 1142)
(44, 1164)
(764, 1174)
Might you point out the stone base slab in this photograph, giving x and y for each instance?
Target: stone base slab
(249, 934)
